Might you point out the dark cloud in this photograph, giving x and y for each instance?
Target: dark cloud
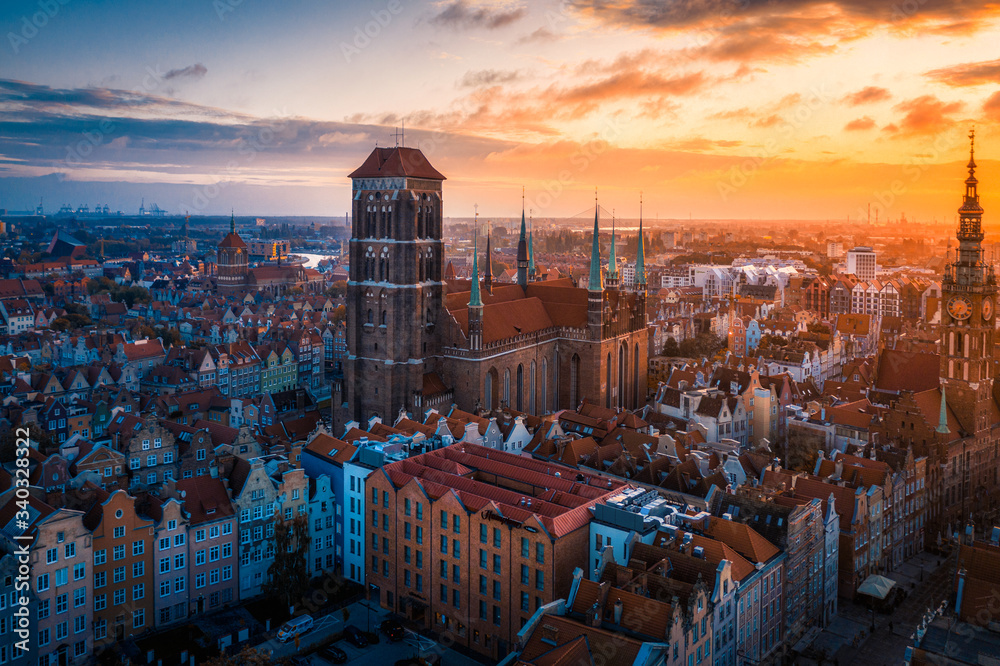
(863, 123)
(867, 95)
(195, 71)
(461, 14)
(488, 77)
(968, 74)
(541, 35)
(20, 94)
(863, 13)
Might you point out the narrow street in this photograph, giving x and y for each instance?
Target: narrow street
(849, 640)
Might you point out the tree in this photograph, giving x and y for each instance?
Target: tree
(8, 442)
(337, 290)
(769, 340)
(288, 575)
(339, 314)
(704, 345)
(60, 324)
(671, 348)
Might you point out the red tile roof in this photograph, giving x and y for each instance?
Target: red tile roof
(395, 162)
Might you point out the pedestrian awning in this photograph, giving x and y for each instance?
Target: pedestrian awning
(876, 586)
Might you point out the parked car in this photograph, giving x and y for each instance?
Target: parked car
(355, 636)
(333, 654)
(393, 630)
(295, 627)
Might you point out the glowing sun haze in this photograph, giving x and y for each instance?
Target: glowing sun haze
(714, 109)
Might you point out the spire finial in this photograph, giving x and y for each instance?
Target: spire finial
(640, 255)
(972, 151)
(232, 221)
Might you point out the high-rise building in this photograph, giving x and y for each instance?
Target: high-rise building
(861, 262)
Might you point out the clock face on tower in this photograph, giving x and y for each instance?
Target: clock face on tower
(960, 307)
(987, 308)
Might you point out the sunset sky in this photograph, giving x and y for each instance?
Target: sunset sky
(714, 109)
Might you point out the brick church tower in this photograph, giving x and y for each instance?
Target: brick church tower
(395, 294)
(232, 258)
(969, 292)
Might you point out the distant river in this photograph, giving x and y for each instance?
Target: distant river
(312, 260)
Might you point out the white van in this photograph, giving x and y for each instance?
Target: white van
(295, 627)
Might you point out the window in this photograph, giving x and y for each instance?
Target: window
(62, 576)
(482, 533)
(138, 569)
(539, 579)
(138, 591)
(540, 553)
(444, 520)
(456, 524)
(79, 597)
(120, 532)
(42, 583)
(138, 548)
(138, 618)
(496, 537)
(62, 602)
(100, 579)
(69, 550)
(100, 602)
(100, 557)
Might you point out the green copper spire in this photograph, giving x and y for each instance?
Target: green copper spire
(232, 223)
(613, 257)
(640, 255)
(943, 419)
(531, 249)
(475, 299)
(522, 250)
(596, 282)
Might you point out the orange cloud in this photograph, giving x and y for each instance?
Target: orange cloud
(968, 74)
(867, 95)
(926, 114)
(992, 106)
(863, 123)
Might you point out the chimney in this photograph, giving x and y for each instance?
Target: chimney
(619, 606)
